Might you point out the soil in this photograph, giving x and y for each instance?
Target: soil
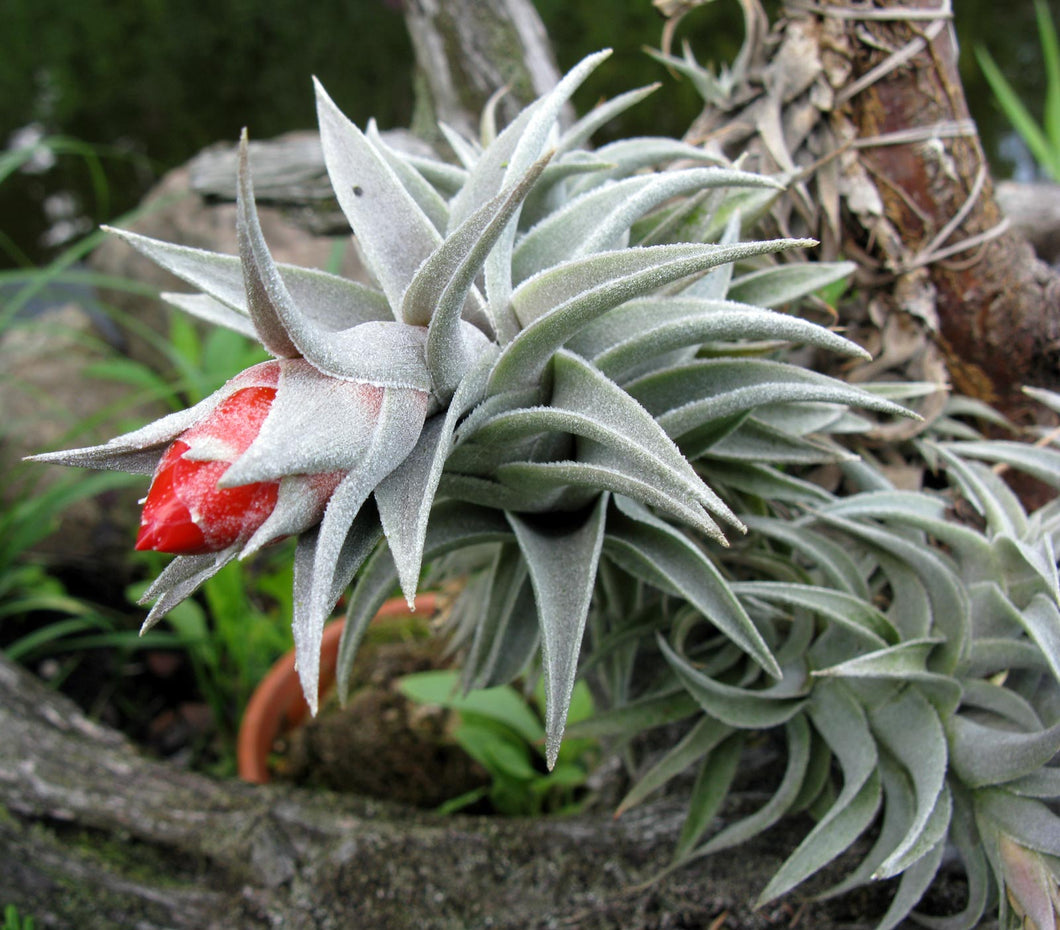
(380, 744)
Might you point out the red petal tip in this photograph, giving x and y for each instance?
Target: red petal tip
(171, 534)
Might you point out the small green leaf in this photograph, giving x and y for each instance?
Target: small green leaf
(502, 756)
(205, 307)
(501, 705)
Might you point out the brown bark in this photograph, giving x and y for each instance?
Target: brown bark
(998, 308)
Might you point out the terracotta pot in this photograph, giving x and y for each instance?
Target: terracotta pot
(277, 705)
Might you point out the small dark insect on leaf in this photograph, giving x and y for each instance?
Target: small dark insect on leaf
(963, 511)
(357, 190)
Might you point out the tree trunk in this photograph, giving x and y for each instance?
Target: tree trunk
(861, 106)
(998, 308)
(468, 49)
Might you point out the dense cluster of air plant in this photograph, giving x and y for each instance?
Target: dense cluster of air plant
(561, 374)
(920, 700)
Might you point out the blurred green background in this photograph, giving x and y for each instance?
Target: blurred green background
(151, 82)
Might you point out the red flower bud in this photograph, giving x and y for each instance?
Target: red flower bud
(185, 512)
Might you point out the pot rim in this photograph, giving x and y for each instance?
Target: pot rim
(278, 704)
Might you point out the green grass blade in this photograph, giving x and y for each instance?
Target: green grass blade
(1014, 110)
(1051, 60)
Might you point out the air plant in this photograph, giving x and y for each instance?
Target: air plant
(570, 371)
(519, 373)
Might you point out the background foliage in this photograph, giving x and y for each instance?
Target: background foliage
(160, 80)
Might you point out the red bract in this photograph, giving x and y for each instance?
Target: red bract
(185, 511)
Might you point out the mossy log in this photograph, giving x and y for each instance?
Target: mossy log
(97, 837)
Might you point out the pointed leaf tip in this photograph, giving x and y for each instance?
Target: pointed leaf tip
(562, 606)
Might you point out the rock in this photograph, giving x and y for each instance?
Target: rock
(172, 211)
(50, 398)
(288, 173)
(48, 394)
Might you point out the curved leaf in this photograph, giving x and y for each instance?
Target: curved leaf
(852, 613)
(650, 549)
(916, 879)
(437, 293)
(405, 167)
(1029, 822)
(798, 759)
(554, 305)
(307, 625)
(617, 475)
(266, 292)
(453, 525)
(656, 325)
(771, 287)
(603, 113)
(598, 220)
(394, 234)
(841, 721)
(332, 302)
(709, 792)
(405, 496)
(744, 708)
(507, 632)
(687, 396)
(983, 755)
(702, 739)
(909, 727)
(553, 556)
